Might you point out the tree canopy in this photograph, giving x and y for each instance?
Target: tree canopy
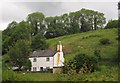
(36, 20)
(19, 53)
(112, 24)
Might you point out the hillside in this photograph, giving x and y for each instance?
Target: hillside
(85, 43)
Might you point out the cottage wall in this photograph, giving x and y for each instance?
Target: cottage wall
(58, 59)
(41, 62)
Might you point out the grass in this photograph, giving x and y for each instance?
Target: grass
(86, 43)
(74, 44)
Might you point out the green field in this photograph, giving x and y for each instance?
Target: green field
(86, 43)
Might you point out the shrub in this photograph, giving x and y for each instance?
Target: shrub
(27, 65)
(81, 64)
(104, 41)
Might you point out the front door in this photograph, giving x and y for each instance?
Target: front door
(41, 68)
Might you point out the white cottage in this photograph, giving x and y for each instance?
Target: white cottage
(47, 59)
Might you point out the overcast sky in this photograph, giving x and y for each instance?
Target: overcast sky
(18, 11)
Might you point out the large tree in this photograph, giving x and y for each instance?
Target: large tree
(36, 20)
(19, 53)
(15, 32)
(10, 28)
(6, 36)
(22, 31)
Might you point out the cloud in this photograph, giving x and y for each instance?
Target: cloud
(18, 11)
(12, 11)
(48, 8)
(108, 8)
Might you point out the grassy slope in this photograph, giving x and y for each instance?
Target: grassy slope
(86, 43)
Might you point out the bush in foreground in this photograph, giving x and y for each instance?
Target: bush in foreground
(81, 64)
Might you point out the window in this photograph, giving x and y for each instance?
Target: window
(34, 60)
(34, 69)
(47, 68)
(41, 68)
(47, 59)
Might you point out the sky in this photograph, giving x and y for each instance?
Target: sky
(18, 10)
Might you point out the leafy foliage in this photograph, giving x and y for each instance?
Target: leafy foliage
(38, 42)
(74, 22)
(27, 65)
(35, 20)
(19, 53)
(13, 33)
(104, 41)
(82, 64)
(112, 24)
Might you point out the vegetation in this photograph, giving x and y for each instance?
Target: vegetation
(13, 33)
(19, 54)
(88, 55)
(35, 21)
(111, 24)
(74, 22)
(38, 42)
(81, 64)
(74, 45)
(104, 41)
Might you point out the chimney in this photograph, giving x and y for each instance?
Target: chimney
(59, 47)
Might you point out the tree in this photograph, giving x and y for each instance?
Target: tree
(74, 28)
(6, 36)
(6, 42)
(22, 31)
(84, 25)
(95, 19)
(19, 53)
(27, 65)
(10, 28)
(15, 32)
(112, 24)
(36, 21)
(39, 42)
(55, 27)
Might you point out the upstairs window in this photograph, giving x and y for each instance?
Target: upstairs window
(34, 60)
(47, 59)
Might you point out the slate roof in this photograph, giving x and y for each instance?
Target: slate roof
(43, 53)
